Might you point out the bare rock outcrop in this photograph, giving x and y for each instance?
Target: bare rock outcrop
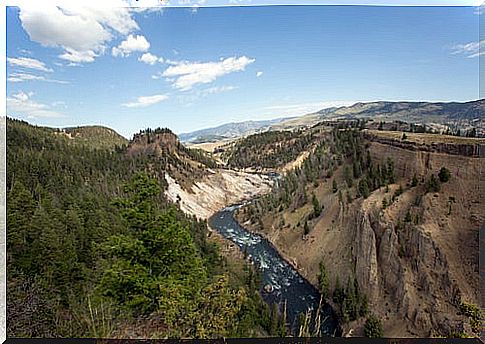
(476, 149)
(218, 189)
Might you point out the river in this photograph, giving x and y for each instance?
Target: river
(288, 285)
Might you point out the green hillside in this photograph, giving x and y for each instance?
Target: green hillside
(94, 248)
(95, 136)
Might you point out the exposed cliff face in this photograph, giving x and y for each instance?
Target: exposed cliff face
(406, 276)
(156, 143)
(215, 191)
(414, 272)
(466, 147)
(422, 270)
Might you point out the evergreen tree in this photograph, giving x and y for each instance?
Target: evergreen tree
(323, 281)
(363, 188)
(306, 228)
(414, 181)
(444, 175)
(317, 209)
(373, 327)
(433, 184)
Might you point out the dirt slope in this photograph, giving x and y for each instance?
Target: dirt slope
(414, 274)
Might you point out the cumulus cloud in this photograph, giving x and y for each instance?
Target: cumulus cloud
(470, 50)
(184, 75)
(150, 59)
(258, 74)
(145, 101)
(130, 45)
(28, 63)
(21, 103)
(20, 77)
(82, 32)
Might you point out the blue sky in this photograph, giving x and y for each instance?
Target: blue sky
(191, 68)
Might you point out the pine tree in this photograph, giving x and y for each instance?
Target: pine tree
(306, 228)
(444, 175)
(373, 327)
(317, 209)
(323, 281)
(414, 181)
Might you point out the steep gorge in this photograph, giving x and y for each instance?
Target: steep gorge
(416, 260)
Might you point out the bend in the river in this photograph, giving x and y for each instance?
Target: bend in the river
(286, 283)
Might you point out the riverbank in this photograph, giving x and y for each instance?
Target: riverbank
(289, 287)
(292, 262)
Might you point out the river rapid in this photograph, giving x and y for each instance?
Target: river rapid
(286, 283)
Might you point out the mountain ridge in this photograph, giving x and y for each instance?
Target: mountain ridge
(231, 129)
(456, 115)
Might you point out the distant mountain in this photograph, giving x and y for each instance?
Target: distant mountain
(455, 114)
(229, 130)
(410, 111)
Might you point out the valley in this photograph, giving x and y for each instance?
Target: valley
(382, 224)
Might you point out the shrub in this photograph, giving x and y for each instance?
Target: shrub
(433, 184)
(373, 327)
(444, 175)
(414, 181)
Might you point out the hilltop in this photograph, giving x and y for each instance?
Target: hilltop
(95, 136)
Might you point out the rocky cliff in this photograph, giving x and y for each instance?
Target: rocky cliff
(467, 147)
(416, 259)
(422, 270)
(217, 190)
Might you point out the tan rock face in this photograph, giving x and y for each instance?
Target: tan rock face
(154, 143)
(215, 191)
(473, 148)
(414, 274)
(418, 274)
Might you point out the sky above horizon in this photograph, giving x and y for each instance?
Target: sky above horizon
(193, 68)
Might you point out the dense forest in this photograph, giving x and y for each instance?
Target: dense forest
(340, 147)
(95, 249)
(270, 149)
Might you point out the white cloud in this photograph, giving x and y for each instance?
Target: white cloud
(187, 74)
(131, 44)
(150, 59)
(217, 89)
(146, 101)
(29, 63)
(82, 32)
(22, 104)
(20, 77)
(470, 50)
(76, 57)
(258, 74)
